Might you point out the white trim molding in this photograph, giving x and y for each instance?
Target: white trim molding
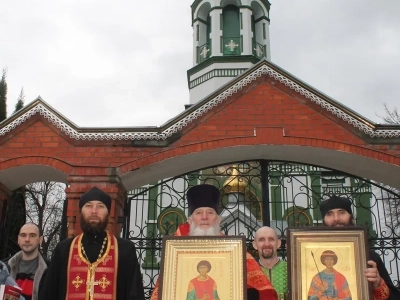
(163, 134)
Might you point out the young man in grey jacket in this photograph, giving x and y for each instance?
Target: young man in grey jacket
(28, 266)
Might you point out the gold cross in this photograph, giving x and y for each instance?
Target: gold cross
(77, 282)
(91, 285)
(104, 282)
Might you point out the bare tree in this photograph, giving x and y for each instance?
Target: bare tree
(392, 116)
(44, 206)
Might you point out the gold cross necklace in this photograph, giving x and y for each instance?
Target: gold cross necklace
(92, 283)
(100, 254)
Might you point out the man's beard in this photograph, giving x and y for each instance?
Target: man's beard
(94, 228)
(338, 223)
(269, 255)
(197, 231)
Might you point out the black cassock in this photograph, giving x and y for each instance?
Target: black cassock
(129, 278)
(383, 273)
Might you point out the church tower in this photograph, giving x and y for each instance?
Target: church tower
(229, 37)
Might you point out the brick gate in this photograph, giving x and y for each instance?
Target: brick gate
(264, 114)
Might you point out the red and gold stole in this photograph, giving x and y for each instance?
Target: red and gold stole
(86, 281)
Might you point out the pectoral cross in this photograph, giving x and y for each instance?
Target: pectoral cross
(91, 285)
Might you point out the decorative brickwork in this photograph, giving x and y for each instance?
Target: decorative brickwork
(262, 110)
(245, 80)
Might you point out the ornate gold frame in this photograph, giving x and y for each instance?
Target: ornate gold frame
(180, 256)
(305, 246)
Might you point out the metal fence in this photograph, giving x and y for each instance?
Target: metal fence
(258, 193)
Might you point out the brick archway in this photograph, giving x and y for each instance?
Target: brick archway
(19, 171)
(264, 113)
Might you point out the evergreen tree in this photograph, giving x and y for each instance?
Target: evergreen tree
(19, 215)
(3, 96)
(20, 102)
(16, 213)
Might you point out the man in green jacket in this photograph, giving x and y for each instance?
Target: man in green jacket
(267, 243)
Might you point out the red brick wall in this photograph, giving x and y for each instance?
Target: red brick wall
(265, 112)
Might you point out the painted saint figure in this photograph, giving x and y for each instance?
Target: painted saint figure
(203, 287)
(329, 284)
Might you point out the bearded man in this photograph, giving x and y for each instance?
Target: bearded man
(203, 202)
(267, 243)
(95, 264)
(336, 211)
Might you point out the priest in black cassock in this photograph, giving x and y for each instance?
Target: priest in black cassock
(95, 264)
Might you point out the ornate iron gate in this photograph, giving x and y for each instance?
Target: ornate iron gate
(13, 212)
(258, 193)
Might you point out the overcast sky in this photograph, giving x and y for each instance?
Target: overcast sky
(123, 63)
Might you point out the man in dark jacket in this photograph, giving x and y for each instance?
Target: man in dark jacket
(95, 264)
(336, 211)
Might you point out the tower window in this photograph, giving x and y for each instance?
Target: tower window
(264, 32)
(231, 30)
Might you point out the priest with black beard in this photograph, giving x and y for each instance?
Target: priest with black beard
(95, 264)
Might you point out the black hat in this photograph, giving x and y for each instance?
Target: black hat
(203, 195)
(335, 202)
(95, 194)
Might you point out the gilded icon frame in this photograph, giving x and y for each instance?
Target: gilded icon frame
(181, 256)
(305, 248)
